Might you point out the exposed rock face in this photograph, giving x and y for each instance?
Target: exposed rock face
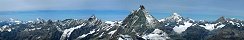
(140, 17)
(221, 19)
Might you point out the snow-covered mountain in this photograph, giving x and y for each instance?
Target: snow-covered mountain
(175, 17)
(139, 18)
(139, 25)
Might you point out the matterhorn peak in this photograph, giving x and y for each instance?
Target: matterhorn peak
(140, 17)
(142, 7)
(140, 11)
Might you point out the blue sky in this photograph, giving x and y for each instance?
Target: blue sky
(118, 9)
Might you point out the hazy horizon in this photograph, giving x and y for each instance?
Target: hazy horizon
(119, 9)
(105, 15)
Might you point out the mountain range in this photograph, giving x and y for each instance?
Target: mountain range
(138, 25)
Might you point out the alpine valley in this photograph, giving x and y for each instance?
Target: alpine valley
(138, 25)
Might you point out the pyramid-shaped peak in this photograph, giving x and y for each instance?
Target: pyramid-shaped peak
(140, 17)
(142, 7)
(221, 19)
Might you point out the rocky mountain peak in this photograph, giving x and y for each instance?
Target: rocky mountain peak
(92, 18)
(174, 17)
(221, 19)
(142, 7)
(39, 20)
(140, 17)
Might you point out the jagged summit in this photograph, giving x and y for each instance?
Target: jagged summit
(174, 17)
(142, 7)
(92, 18)
(223, 19)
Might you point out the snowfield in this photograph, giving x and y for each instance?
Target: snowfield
(179, 29)
(211, 27)
(157, 34)
(67, 32)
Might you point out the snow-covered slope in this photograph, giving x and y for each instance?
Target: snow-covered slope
(67, 32)
(157, 34)
(179, 29)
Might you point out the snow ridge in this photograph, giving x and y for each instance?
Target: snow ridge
(157, 34)
(67, 32)
(112, 32)
(179, 29)
(84, 35)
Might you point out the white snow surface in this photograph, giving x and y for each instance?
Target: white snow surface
(107, 27)
(113, 23)
(220, 26)
(67, 32)
(242, 24)
(33, 29)
(125, 37)
(210, 27)
(30, 21)
(176, 14)
(149, 18)
(179, 29)
(101, 35)
(112, 32)
(231, 22)
(14, 20)
(59, 29)
(110, 22)
(157, 34)
(120, 38)
(161, 20)
(84, 35)
(175, 17)
(5, 28)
